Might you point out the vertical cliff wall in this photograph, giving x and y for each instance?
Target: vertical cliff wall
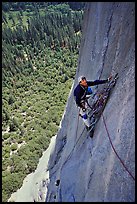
(88, 170)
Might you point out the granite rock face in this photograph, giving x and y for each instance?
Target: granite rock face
(84, 169)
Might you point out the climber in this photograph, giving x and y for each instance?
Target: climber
(81, 93)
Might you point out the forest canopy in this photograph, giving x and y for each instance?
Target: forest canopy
(40, 47)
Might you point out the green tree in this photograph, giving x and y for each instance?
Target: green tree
(11, 99)
(14, 147)
(14, 125)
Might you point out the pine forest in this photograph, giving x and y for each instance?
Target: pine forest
(40, 48)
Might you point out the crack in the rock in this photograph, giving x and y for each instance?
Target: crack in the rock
(106, 41)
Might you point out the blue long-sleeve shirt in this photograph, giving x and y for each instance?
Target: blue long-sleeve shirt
(80, 91)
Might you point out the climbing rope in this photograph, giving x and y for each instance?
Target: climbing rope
(75, 142)
(109, 140)
(114, 148)
(112, 144)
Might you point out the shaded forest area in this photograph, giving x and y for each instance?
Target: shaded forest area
(40, 47)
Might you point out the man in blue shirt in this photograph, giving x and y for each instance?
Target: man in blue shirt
(80, 93)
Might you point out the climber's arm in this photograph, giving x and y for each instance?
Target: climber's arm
(96, 82)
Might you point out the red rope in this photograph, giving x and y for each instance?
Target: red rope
(114, 148)
(111, 141)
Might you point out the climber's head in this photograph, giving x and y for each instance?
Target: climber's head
(82, 81)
